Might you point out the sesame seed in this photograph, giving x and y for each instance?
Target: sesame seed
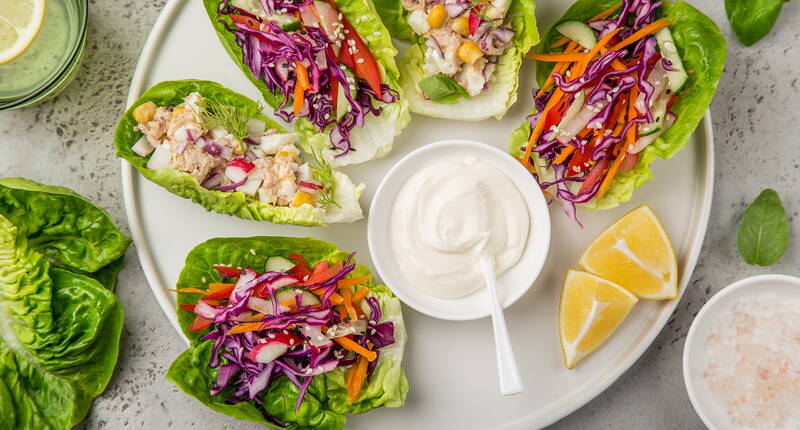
(377, 33)
(320, 338)
(359, 61)
(630, 147)
(285, 332)
(576, 169)
(291, 341)
(309, 371)
(204, 279)
(271, 335)
(340, 17)
(371, 322)
(346, 31)
(253, 251)
(373, 331)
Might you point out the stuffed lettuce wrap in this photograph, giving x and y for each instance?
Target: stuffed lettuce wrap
(465, 55)
(207, 143)
(328, 66)
(287, 332)
(621, 84)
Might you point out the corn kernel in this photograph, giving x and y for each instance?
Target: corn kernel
(144, 112)
(469, 52)
(436, 16)
(461, 26)
(302, 198)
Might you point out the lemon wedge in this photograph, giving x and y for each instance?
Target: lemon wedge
(20, 22)
(590, 310)
(636, 253)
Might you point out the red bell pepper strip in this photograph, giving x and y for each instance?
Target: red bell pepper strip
(222, 293)
(228, 272)
(189, 308)
(362, 61)
(199, 324)
(248, 22)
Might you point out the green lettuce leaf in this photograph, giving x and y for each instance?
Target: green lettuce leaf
(326, 402)
(59, 337)
(375, 139)
(702, 49)
(172, 93)
(71, 231)
(503, 84)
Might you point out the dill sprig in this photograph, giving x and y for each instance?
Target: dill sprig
(475, 6)
(232, 118)
(322, 170)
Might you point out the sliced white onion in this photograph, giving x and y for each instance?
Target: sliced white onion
(142, 148)
(161, 158)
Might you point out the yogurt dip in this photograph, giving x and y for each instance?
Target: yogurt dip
(450, 215)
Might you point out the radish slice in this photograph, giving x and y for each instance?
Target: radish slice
(238, 169)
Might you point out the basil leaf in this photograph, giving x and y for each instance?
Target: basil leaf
(751, 20)
(442, 89)
(764, 233)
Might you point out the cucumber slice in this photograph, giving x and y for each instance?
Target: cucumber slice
(659, 110)
(279, 264)
(571, 113)
(670, 51)
(342, 104)
(289, 293)
(645, 141)
(252, 6)
(579, 32)
(285, 22)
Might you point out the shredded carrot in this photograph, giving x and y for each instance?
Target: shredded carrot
(355, 379)
(335, 298)
(569, 149)
(561, 42)
(356, 280)
(559, 68)
(630, 140)
(302, 75)
(289, 303)
(642, 32)
(359, 295)
(350, 345)
(600, 45)
(347, 295)
(557, 58)
(189, 290)
(606, 13)
(219, 286)
(245, 327)
(537, 130)
(299, 99)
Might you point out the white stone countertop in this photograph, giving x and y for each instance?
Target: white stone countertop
(68, 141)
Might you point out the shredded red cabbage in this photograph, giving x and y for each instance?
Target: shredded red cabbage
(239, 377)
(607, 81)
(270, 53)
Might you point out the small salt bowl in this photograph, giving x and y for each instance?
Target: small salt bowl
(742, 353)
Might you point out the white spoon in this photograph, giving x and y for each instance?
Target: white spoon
(510, 381)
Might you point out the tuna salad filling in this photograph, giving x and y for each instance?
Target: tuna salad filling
(463, 39)
(226, 149)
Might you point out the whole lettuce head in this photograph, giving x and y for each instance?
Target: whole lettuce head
(326, 403)
(503, 84)
(60, 322)
(376, 137)
(172, 93)
(702, 49)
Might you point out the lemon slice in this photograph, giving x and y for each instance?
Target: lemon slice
(591, 309)
(636, 253)
(20, 22)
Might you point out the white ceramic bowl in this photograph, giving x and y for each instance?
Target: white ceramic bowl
(512, 284)
(695, 359)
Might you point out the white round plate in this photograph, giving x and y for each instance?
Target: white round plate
(512, 284)
(450, 365)
(695, 359)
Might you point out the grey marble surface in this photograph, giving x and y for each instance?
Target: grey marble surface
(67, 141)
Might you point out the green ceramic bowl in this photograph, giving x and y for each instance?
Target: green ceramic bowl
(52, 61)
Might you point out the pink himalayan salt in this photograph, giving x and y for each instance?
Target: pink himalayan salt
(754, 351)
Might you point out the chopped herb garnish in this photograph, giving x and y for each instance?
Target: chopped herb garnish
(322, 170)
(232, 118)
